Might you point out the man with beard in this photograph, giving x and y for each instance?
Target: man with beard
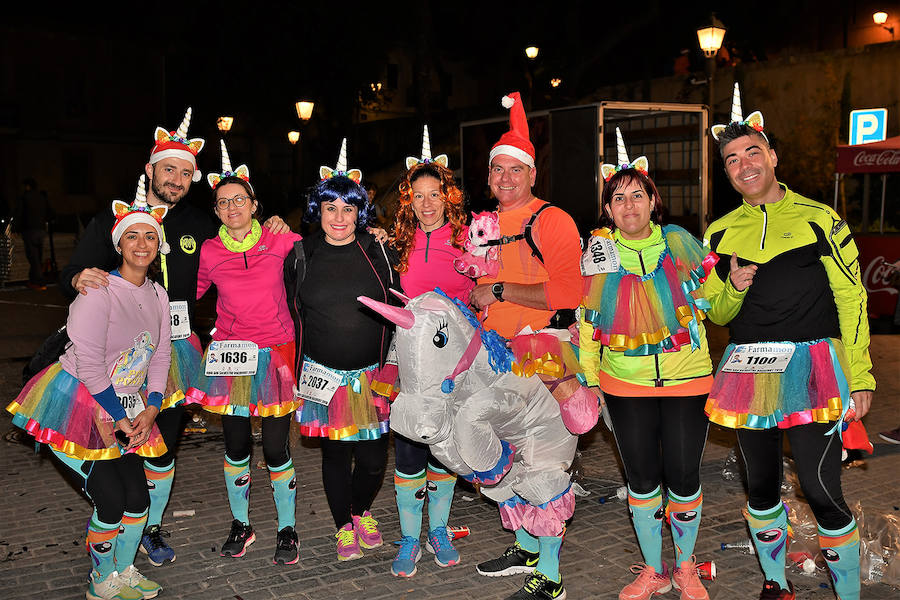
(171, 170)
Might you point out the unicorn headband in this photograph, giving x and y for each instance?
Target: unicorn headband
(340, 170)
(639, 164)
(175, 144)
(242, 172)
(138, 212)
(412, 161)
(754, 120)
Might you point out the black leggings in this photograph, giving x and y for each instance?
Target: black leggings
(350, 488)
(660, 440)
(818, 461)
(412, 457)
(169, 423)
(239, 442)
(115, 486)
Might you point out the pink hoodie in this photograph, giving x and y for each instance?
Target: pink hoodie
(431, 266)
(252, 304)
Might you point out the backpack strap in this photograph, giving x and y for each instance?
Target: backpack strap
(525, 235)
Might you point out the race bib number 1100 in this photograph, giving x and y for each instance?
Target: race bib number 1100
(232, 358)
(768, 357)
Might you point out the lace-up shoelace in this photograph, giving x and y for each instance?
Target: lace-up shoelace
(534, 582)
(156, 535)
(345, 537)
(440, 540)
(369, 524)
(408, 546)
(285, 541)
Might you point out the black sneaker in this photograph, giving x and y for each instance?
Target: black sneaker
(286, 551)
(240, 537)
(772, 591)
(538, 587)
(514, 561)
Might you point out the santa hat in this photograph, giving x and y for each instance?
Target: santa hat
(174, 144)
(754, 120)
(138, 212)
(639, 164)
(242, 172)
(515, 142)
(412, 161)
(340, 170)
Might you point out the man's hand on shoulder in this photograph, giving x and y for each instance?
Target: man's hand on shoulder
(91, 277)
(276, 225)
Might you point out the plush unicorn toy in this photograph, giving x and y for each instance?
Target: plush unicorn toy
(480, 259)
(492, 427)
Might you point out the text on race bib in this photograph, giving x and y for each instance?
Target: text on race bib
(318, 383)
(600, 256)
(767, 357)
(231, 358)
(180, 320)
(132, 402)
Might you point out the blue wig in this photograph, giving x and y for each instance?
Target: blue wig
(339, 188)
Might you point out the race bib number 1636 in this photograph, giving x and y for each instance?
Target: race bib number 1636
(231, 357)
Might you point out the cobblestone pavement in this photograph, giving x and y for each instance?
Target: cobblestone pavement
(43, 518)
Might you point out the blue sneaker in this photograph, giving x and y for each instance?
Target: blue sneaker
(152, 544)
(410, 553)
(440, 545)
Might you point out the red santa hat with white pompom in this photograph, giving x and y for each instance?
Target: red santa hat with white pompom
(515, 142)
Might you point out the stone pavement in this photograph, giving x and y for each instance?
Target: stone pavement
(43, 518)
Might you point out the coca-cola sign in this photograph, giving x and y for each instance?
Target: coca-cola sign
(876, 253)
(877, 157)
(884, 158)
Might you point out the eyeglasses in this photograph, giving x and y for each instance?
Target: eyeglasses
(238, 201)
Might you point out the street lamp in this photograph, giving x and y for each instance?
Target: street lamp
(711, 38)
(532, 52)
(293, 137)
(880, 18)
(304, 109)
(555, 82)
(224, 124)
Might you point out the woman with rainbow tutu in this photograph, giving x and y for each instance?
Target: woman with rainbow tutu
(91, 407)
(643, 343)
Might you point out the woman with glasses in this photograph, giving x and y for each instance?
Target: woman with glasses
(248, 366)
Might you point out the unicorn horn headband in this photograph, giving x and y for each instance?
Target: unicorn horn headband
(639, 164)
(138, 212)
(412, 161)
(242, 172)
(754, 120)
(340, 170)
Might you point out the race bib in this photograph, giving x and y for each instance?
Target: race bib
(767, 357)
(181, 322)
(318, 383)
(232, 358)
(391, 358)
(601, 256)
(133, 404)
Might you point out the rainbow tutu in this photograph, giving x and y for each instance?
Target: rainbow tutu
(268, 393)
(187, 356)
(58, 410)
(812, 389)
(547, 519)
(359, 409)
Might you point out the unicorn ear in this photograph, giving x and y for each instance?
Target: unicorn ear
(325, 172)
(403, 297)
(213, 179)
(755, 120)
(716, 130)
(159, 212)
(161, 134)
(120, 208)
(411, 161)
(442, 160)
(641, 164)
(243, 172)
(355, 175)
(607, 170)
(196, 145)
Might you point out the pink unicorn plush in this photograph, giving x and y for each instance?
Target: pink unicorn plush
(480, 259)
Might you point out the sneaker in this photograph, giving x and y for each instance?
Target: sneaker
(133, 578)
(111, 588)
(539, 587)
(891, 437)
(772, 591)
(347, 543)
(648, 582)
(367, 530)
(286, 550)
(156, 549)
(512, 562)
(240, 537)
(686, 579)
(440, 545)
(410, 553)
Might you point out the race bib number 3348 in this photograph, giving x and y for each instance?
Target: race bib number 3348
(232, 358)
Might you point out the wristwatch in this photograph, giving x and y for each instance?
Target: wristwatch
(497, 289)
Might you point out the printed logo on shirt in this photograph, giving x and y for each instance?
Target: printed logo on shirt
(262, 248)
(837, 227)
(787, 235)
(188, 244)
(131, 366)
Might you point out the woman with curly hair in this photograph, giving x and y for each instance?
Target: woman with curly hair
(429, 231)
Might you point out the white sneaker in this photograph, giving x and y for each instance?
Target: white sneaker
(133, 578)
(111, 588)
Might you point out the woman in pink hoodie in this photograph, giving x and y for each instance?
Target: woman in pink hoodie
(92, 407)
(249, 365)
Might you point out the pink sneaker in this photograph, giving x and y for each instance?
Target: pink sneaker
(686, 579)
(347, 544)
(648, 583)
(366, 528)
